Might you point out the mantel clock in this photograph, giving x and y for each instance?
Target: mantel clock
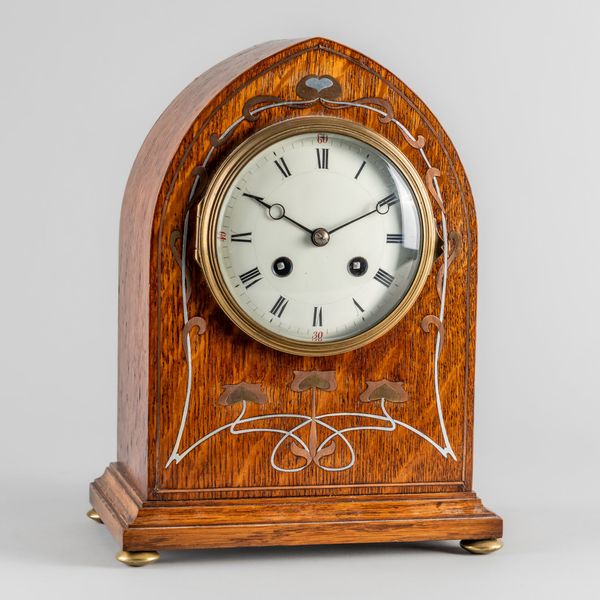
(297, 291)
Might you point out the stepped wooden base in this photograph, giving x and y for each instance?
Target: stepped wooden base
(152, 525)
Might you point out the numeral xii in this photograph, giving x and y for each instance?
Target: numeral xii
(323, 158)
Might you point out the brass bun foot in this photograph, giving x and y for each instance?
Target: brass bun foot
(137, 559)
(481, 546)
(94, 516)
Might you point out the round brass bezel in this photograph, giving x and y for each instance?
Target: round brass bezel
(208, 213)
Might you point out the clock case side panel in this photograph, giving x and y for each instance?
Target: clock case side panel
(137, 368)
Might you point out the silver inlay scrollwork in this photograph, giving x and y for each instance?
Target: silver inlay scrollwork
(325, 90)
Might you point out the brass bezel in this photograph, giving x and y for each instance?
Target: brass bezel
(208, 212)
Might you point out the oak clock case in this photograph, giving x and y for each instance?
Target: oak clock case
(297, 294)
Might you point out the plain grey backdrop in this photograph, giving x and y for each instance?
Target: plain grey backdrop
(516, 86)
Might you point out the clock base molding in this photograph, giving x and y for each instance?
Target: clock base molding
(139, 525)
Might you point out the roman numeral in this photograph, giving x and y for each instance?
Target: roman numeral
(279, 306)
(395, 238)
(388, 201)
(358, 305)
(318, 316)
(249, 278)
(323, 158)
(280, 162)
(360, 169)
(384, 278)
(241, 237)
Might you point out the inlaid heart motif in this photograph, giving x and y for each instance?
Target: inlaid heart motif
(319, 83)
(318, 86)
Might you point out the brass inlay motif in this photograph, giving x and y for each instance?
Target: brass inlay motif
(313, 380)
(242, 392)
(432, 172)
(391, 391)
(432, 320)
(306, 380)
(195, 322)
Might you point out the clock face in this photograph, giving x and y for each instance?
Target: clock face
(318, 238)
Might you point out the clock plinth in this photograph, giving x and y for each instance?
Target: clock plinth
(230, 435)
(140, 526)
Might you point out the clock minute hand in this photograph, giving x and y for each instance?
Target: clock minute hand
(352, 221)
(277, 211)
(382, 207)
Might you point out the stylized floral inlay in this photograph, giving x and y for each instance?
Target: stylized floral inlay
(313, 380)
(242, 392)
(195, 322)
(311, 449)
(432, 321)
(325, 90)
(430, 177)
(307, 380)
(392, 391)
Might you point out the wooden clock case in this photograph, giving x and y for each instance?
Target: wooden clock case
(186, 476)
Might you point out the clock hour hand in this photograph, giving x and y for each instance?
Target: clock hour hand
(277, 211)
(382, 207)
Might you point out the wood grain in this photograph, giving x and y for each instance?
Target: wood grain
(408, 489)
(286, 522)
(138, 257)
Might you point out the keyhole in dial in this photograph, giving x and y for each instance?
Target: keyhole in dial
(282, 266)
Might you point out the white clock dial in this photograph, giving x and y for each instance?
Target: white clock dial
(319, 237)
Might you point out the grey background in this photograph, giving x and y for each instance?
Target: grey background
(516, 86)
